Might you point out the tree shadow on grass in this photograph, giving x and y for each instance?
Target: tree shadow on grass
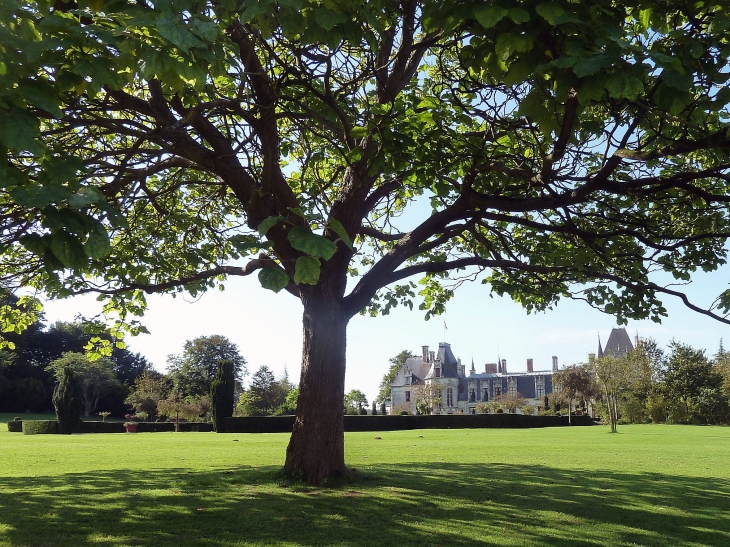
(425, 504)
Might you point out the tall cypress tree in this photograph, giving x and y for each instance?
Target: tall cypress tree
(221, 393)
(67, 401)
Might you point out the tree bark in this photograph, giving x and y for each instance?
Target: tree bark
(316, 449)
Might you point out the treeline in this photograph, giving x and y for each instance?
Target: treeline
(29, 368)
(125, 383)
(679, 386)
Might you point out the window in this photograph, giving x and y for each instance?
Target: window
(437, 372)
(449, 397)
(408, 380)
(512, 389)
(497, 391)
(472, 395)
(408, 396)
(485, 394)
(540, 391)
(472, 410)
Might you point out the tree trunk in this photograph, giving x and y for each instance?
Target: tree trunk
(316, 449)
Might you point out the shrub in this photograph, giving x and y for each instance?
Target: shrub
(16, 426)
(67, 401)
(40, 427)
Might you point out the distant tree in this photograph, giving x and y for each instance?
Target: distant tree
(395, 365)
(427, 398)
(264, 394)
(355, 400)
(510, 402)
(221, 393)
(686, 374)
(527, 409)
(96, 378)
(289, 406)
(575, 382)
(193, 371)
(178, 407)
(67, 400)
(148, 390)
(382, 408)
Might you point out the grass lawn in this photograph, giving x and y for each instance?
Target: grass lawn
(647, 485)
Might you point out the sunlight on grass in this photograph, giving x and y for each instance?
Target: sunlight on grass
(646, 486)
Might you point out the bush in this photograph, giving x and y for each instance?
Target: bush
(16, 426)
(39, 427)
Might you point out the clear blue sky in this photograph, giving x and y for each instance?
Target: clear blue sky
(267, 328)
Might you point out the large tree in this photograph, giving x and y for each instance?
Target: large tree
(193, 371)
(550, 149)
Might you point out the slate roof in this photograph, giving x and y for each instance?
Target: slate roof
(418, 369)
(449, 364)
(619, 343)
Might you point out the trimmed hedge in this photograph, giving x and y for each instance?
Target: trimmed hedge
(284, 424)
(40, 427)
(155, 427)
(203, 427)
(100, 427)
(16, 426)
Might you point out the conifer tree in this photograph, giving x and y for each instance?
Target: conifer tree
(221, 393)
(67, 401)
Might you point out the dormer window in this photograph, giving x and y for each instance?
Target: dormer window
(408, 380)
(437, 372)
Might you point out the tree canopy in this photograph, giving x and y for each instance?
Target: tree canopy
(193, 371)
(548, 149)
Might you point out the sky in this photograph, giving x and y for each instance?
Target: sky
(267, 328)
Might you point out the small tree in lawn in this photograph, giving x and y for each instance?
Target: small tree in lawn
(67, 401)
(148, 389)
(222, 393)
(575, 382)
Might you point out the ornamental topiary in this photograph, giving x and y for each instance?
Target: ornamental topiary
(222, 393)
(67, 401)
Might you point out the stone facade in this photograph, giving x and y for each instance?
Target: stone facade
(439, 381)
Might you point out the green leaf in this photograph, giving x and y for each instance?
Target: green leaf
(307, 270)
(488, 16)
(328, 19)
(297, 211)
(507, 44)
(674, 79)
(19, 130)
(41, 94)
(339, 229)
(555, 15)
(68, 250)
(312, 244)
(624, 86)
(273, 279)
(85, 196)
(358, 132)
(35, 243)
(645, 18)
(592, 64)
(518, 15)
(98, 245)
(268, 222)
(176, 31)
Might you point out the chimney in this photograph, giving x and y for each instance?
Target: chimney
(425, 353)
(504, 366)
(432, 356)
(555, 363)
(529, 365)
(462, 368)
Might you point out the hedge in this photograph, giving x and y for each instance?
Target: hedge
(284, 424)
(39, 427)
(100, 427)
(16, 426)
